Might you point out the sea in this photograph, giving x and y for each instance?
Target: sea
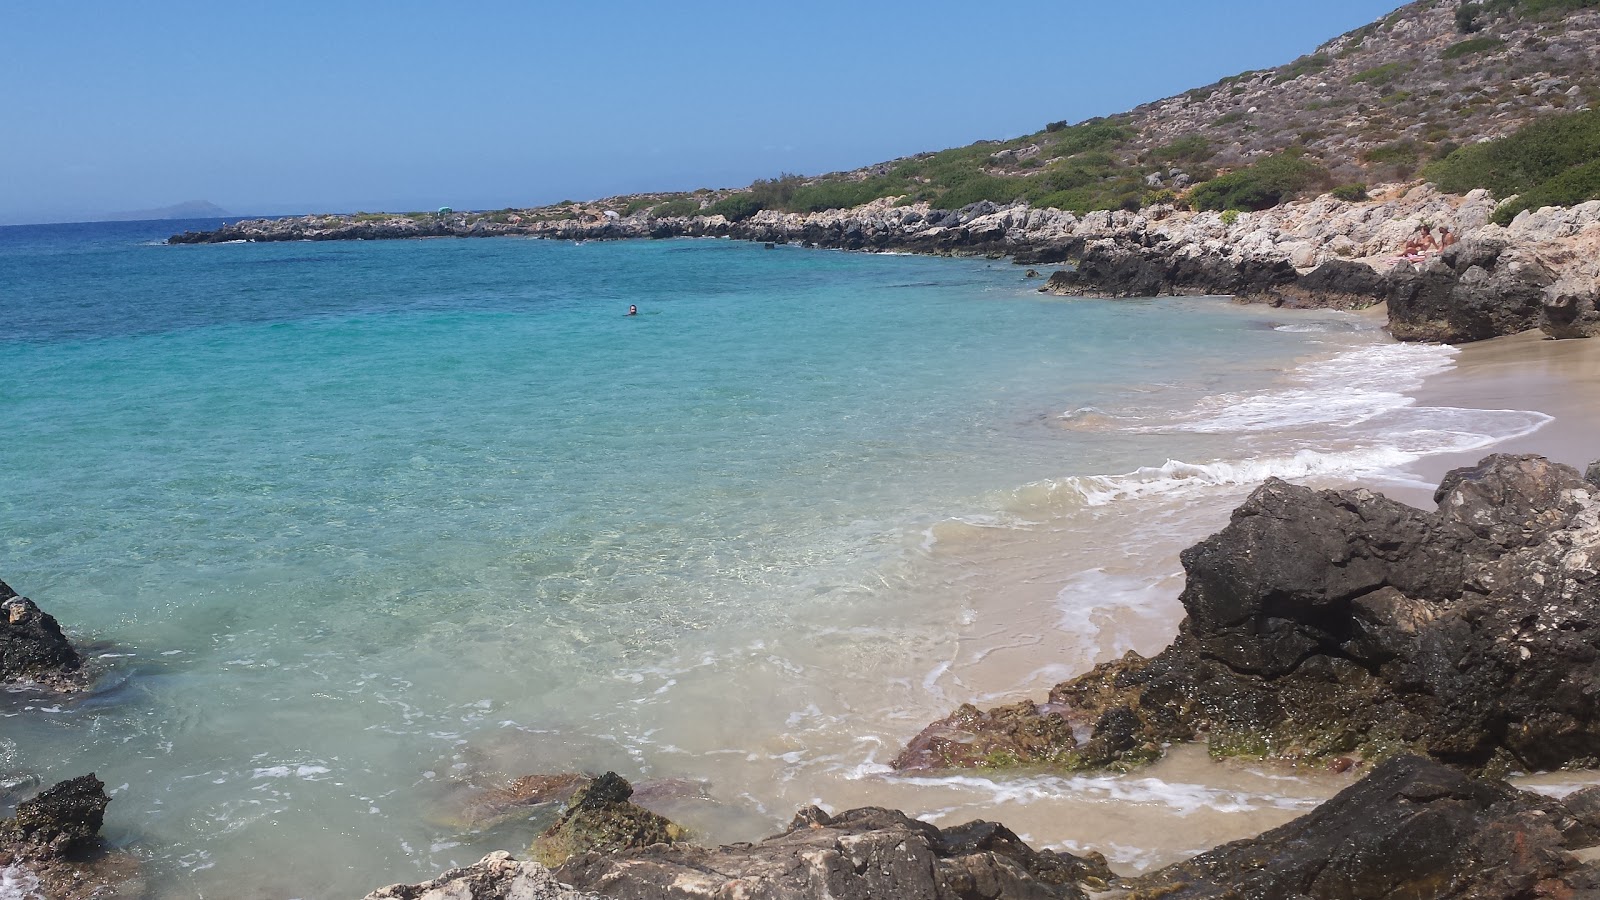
(355, 533)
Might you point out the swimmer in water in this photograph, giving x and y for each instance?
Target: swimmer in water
(633, 310)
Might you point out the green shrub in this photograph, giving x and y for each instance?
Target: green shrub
(1573, 186)
(1404, 154)
(683, 206)
(1521, 162)
(735, 207)
(1095, 134)
(1191, 148)
(1471, 46)
(1305, 65)
(1230, 216)
(1351, 193)
(1262, 185)
(1382, 75)
(1228, 119)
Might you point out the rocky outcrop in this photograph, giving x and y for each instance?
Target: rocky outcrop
(52, 845)
(1412, 829)
(1571, 310)
(1322, 623)
(32, 647)
(856, 855)
(600, 819)
(495, 877)
(1475, 290)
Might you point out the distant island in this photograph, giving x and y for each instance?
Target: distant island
(189, 209)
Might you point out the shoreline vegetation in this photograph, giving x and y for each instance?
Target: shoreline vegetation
(1435, 652)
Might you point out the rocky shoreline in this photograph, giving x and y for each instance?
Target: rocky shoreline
(1435, 651)
(1539, 272)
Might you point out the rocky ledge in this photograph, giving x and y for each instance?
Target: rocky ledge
(1326, 625)
(1411, 829)
(1540, 271)
(33, 650)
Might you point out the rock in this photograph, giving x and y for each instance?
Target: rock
(1336, 284)
(1478, 291)
(484, 808)
(599, 818)
(1005, 737)
(62, 819)
(859, 854)
(1412, 829)
(495, 877)
(32, 647)
(1326, 623)
(52, 846)
(1570, 311)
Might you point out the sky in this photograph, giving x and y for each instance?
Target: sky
(294, 107)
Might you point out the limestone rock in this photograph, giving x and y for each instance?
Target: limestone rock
(495, 877)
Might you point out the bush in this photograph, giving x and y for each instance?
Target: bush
(683, 206)
(735, 207)
(1305, 65)
(1521, 162)
(1262, 185)
(1192, 148)
(1382, 75)
(1230, 216)
(1351, 193)
(1471, 46)
(1576, 185)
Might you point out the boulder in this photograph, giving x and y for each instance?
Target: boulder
(1570, 311)
(52, 846)
(856, 855)
(599, 818)
(1413, 829)
(1323, 623)
(32, 647)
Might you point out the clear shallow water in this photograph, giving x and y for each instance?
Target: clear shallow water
(363, 524)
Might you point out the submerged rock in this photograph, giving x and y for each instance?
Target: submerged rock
(599, 818)
(1413, 829)
(856, 855)
(32, 647)
(1323, 623)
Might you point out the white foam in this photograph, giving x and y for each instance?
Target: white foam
(1349, 388)
(17, 883)
(1181, 798)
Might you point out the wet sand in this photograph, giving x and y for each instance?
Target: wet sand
(1524, 371)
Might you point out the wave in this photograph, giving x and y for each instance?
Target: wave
(1350, 388)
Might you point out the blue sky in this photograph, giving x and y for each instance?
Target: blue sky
(299, 107)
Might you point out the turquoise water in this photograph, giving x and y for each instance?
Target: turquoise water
(357, 526)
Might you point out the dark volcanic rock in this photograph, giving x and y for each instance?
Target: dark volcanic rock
(1330, 622)
(32, 647)
(856, 855)
(52, 845)
(1473, 291)
(1412, 829)
(62, 819)
(599, 818)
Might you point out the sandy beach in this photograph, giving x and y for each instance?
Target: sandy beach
(1524, 371)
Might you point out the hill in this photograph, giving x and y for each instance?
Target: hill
(189, 209)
